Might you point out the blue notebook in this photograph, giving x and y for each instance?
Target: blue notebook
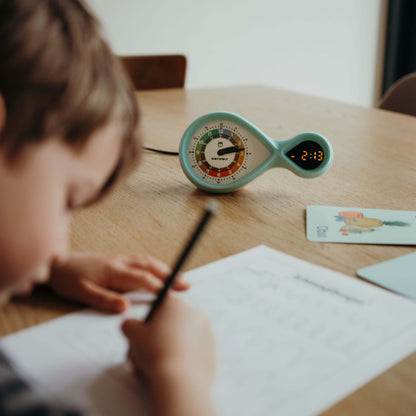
(398, 275)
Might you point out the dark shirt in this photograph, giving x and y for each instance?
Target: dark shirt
(18, 399)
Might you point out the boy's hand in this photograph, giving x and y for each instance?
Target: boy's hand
(175, 354)
(98, 279)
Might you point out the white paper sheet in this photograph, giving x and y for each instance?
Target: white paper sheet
(292, 339)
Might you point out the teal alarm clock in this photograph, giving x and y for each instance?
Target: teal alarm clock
(221, 152)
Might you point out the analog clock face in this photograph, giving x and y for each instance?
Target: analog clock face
(221, 151)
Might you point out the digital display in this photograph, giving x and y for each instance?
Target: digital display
(307, 155)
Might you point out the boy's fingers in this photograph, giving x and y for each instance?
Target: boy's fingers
(130, 279)
(131, 327)
(181, 284)
(158, 269)
(134, 279)
(151, 264)
(102, 298)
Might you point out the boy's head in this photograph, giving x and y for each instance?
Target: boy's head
(68, 127)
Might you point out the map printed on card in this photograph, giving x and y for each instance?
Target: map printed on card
(360, 225)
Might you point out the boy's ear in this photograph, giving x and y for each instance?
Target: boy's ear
(2, 113)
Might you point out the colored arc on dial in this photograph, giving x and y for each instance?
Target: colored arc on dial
(207, 165)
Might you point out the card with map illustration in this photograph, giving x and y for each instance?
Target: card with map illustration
(360, 225)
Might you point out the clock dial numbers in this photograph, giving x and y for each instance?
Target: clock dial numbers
(221, 152)
(307, 155)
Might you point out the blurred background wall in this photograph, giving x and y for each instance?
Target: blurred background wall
(327, 48)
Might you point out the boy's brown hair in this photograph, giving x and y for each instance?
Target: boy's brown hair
(59, 78)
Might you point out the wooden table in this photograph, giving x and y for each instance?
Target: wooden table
(155, 209)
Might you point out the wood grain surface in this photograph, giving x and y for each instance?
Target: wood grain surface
(156, 207)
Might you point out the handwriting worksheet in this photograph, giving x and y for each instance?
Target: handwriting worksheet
(292, 338)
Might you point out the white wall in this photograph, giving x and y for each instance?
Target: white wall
(328, 48)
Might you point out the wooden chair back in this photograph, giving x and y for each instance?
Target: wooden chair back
(156, 71)
(401, 96)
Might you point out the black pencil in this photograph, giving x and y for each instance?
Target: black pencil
(210, 209)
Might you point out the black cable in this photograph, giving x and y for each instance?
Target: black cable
(164, 152)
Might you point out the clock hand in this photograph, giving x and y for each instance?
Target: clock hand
(227, 150)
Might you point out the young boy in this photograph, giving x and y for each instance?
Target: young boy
(68, 131)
